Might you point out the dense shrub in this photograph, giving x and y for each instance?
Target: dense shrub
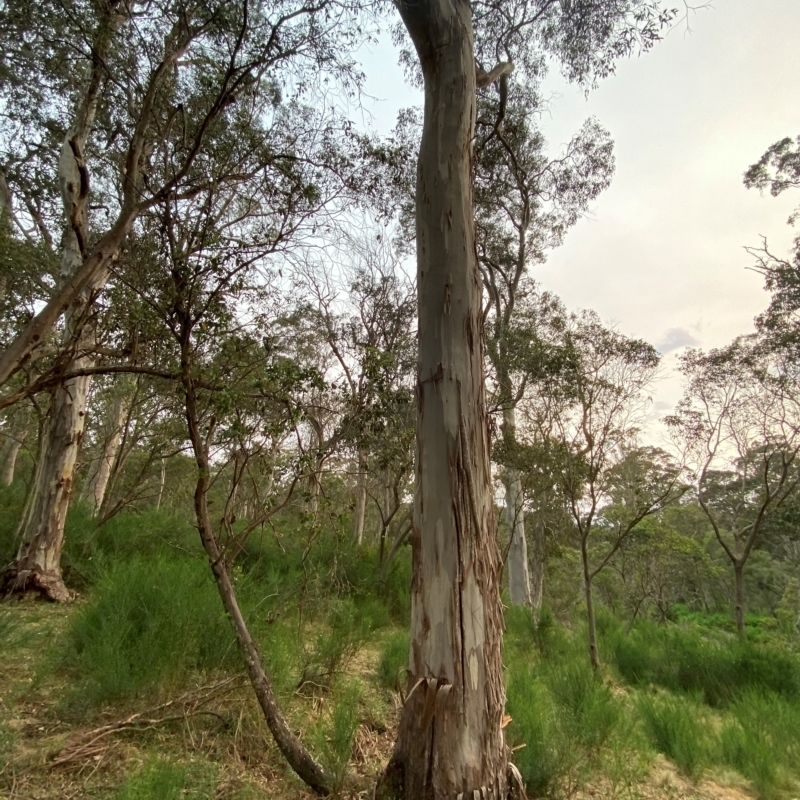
(393, 659)
(168, 781)
(721, 670)
(149, 624)
(677, 729)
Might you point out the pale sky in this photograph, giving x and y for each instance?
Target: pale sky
(661, 254)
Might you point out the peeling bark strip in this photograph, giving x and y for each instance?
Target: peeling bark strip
(450, 742)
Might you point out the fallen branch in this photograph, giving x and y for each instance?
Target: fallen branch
(90, 743)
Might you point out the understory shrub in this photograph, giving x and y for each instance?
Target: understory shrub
(168, 781)
(148, 626)
(761, 738)
(721, 669)
(563, 717)
(337, 642)
(393, 659)
(335, 739)
(677, 729)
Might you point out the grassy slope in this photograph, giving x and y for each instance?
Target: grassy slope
(681, 711)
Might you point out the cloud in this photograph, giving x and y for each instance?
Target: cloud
(676, 338)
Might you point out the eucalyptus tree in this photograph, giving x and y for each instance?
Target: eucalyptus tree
(450, 739)
(738, 424)
(206, 276)
(593, 409)
(361, 306)
(153, 93)
(128, 85)
(778, 170)
(525, 203)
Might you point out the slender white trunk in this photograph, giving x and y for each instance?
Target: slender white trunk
(10, 451)
(537, 563)
(99, 482)
(162, 481)
(361, 499)
(519, 582)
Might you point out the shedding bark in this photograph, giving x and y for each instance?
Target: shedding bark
(450, 740)
(99, 481)
(37, 566)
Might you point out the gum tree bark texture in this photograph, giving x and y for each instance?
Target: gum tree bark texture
(8, 454)
(38, 563)
(450, 741)
(519, 582)
(99, 481)
(37, 566)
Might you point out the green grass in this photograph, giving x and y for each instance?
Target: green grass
(677, 729)
(165, 780)
(719, 667)
(761, 740)
(393, 660)
(565, 719)
(148, 627)
(334, 740)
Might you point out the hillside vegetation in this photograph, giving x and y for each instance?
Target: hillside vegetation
(135, 690)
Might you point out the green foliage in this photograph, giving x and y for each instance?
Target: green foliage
(8, 627)
(681, 659)
(335, 739)
(7, 739)
(565, 720)
(12, 499)
(393, 658)
(148, 626)
(336, 644)
(299, 562)
(588, 712)
(533, 732)
(89, 550)
(677, 729)
(761, 739)
(167, 781)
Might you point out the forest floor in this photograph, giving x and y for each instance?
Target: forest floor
(206, 739)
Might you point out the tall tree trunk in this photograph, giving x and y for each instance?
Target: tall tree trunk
(537, 563)
(450, 740)
(9, 453)
(99, 481)
(738, 572)
(594, 656)
(37, 566)
(361, 499)
(519, 582)
(38, 563)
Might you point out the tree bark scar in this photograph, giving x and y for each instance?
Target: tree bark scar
(434, 377)
(81, 165)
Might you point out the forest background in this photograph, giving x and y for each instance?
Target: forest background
(232, 351)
